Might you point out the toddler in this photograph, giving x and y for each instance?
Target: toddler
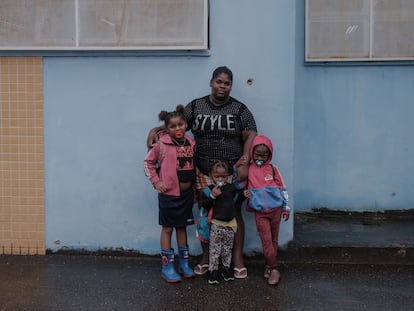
(219, 199)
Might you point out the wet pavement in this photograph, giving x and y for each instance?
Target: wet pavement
(334, 263)
(60, 282)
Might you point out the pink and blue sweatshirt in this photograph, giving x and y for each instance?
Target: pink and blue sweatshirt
(265, 183)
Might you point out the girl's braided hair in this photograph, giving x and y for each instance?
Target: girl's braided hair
(220, 163)
(166, 116)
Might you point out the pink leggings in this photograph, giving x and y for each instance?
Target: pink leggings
(267, 224)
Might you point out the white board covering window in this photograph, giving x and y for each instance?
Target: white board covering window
(103, 24)
(359, 30)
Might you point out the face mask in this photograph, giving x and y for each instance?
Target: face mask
(259, 162)
(220, 183)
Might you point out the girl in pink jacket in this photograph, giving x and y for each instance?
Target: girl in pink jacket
(169, 166)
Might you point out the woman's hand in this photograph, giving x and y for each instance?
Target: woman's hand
(242, 161)
(154, 135)
(242, 172)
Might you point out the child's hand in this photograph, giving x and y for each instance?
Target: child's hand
(246, 193)
(160, 186)
(216, 191)
(285, 215)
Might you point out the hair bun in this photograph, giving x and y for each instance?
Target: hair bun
(180, 108)
(162, 115)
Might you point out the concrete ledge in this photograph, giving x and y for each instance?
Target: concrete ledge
(329, 236)
(347, 255)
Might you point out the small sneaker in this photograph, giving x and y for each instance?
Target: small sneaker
(213, 278)
(274, 277)
(266, 273)
(227, 274)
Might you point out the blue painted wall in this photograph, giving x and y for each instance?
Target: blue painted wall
(342, 134)
(98, 111)
(353, 132)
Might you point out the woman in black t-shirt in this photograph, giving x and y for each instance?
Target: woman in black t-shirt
(223, 128)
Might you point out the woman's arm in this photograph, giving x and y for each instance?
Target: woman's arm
(243, 162)
(247, 137)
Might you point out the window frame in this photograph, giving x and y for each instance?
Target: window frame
(177, 47)
(370, 58)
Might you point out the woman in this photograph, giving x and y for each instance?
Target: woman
(223, 128)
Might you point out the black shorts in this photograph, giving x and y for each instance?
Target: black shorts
(176, 211)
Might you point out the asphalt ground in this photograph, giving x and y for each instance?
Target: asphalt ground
(64, 282)
(337, 261)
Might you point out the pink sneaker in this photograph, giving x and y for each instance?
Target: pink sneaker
(274, 277)
(266, 273)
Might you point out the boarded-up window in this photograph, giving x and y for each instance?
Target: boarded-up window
(103, 24)
(359, 30)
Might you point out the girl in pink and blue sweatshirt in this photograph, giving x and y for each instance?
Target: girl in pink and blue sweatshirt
(268, 200)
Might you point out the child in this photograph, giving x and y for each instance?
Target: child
(219, 197)
(169, 165)
(268, 200)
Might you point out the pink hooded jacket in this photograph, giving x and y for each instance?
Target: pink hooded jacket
(265, 183)
(164, 154)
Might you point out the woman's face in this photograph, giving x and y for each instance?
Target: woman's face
(221, 86)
